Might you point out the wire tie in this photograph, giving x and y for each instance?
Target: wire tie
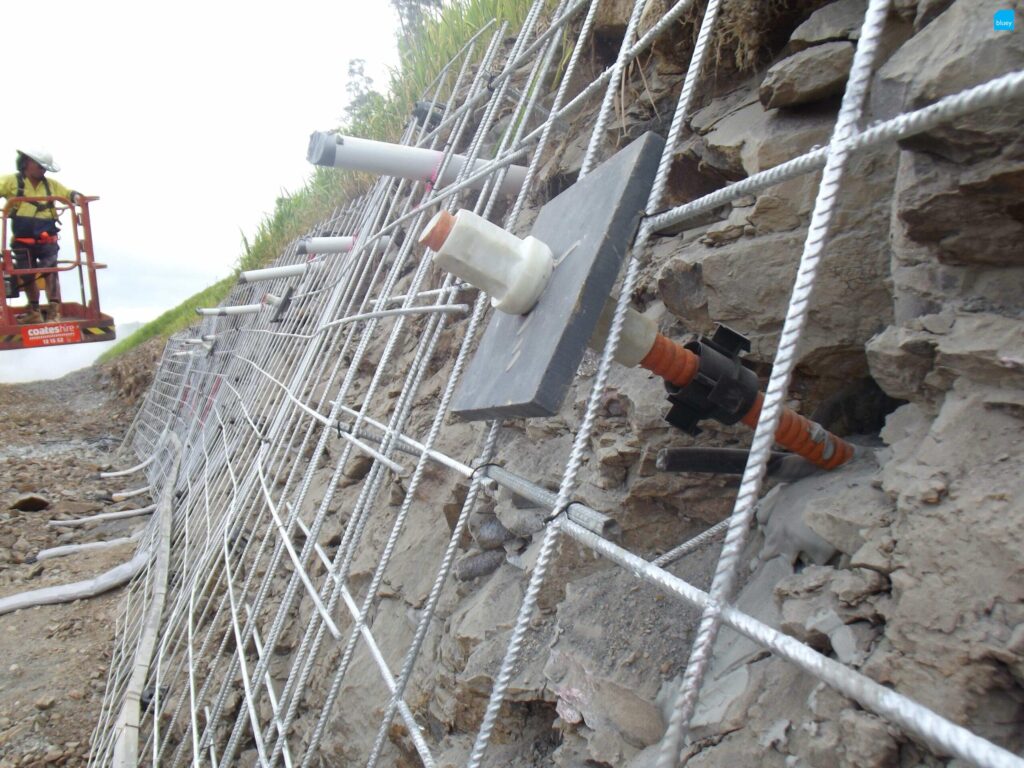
(482, 469)
(555, 515)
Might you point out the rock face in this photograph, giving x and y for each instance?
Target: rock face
(859, 564)
(740, 271)
(907, 564)
(957, 221)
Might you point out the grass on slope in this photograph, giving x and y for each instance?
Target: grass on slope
(173, 320)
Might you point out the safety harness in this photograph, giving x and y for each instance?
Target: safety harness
(30, 230)
(48, 205)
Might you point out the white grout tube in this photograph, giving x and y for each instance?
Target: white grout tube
(416, 163)
(309, 245)
(272, 273)
(238, 309)
(92, 546)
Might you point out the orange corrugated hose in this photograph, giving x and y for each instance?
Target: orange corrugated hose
(678, 365)
(674, 363)
(796, 433)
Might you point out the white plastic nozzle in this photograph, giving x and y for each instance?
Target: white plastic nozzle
(511, 270)
(637, 337)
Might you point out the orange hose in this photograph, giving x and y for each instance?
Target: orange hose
(678, 365)
(673, 362)
(796, 433)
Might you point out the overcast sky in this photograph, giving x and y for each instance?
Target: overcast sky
(187, 119)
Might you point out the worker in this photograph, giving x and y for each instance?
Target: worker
(34, 227)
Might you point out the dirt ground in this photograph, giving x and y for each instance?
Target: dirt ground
(55, 438)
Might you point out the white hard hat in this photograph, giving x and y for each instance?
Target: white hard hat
(42, 157)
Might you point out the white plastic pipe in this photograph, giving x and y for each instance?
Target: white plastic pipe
(130, 470)
(124, 495)
(272, 273)
(66, 593)
(340, 244)
(239, 309)
(513, 271)
(78, 521)
(92, 546)
(416, 163)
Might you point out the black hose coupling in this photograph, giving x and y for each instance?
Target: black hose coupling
(723, 389)
(427, 114)
(282, 307)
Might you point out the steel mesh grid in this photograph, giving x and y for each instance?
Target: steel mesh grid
(266, 406)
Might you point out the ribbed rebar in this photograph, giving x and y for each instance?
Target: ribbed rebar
(728, 563)
(271, 414)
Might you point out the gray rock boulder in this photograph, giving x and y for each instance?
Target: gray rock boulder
(956, 51)
(845, 518)
(923, 359)
(479, 564)
(840, 20)
(810, 75)
(968, 214)
(30, 502)
(740, 137)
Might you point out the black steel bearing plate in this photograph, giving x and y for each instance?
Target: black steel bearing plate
(525, 363)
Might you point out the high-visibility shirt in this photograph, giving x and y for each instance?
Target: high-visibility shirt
(9, 188)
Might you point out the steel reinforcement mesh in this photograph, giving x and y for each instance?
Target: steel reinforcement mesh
(273, 417)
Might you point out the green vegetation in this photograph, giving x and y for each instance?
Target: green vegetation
(173, 320)
(430, 38)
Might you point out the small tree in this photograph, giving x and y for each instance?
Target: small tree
(362, 98)
(412, 13)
